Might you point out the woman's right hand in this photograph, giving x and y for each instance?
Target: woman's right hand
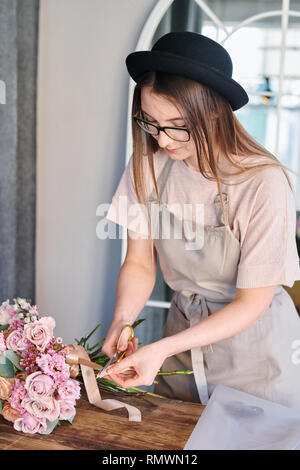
(110, 344)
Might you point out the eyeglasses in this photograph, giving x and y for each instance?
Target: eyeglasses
(180, 134)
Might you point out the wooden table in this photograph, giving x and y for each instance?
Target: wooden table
(166, 425)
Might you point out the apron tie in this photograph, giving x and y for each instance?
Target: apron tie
(197, 314)
(204, 309)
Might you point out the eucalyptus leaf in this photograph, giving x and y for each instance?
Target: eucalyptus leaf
(1, 405)
(4, 327)
(51, 425)
(71, 419)
(14, 358)
(7, 369)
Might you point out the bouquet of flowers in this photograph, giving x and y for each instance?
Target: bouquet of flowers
(36, 391)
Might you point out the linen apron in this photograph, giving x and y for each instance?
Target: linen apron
(260, 360)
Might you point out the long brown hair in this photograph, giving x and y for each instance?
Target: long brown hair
(211, 120)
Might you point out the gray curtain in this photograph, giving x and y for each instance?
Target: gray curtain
(18, 70)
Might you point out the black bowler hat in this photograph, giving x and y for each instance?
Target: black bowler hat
(193, 56)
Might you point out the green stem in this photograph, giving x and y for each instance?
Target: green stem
(147, 393)
(176, 372)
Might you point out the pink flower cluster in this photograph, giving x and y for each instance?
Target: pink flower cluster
(45, 393)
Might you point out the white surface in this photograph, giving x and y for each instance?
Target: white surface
(234, 420)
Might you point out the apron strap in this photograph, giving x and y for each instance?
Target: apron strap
(199, 311)
(221, 221)
(219, 207)
(161, 180)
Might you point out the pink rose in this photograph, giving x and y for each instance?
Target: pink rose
(47, 408)
(69, 390)
(15, 341)
(67, 409)
(40, 332)
(39, 386)
(30, 424)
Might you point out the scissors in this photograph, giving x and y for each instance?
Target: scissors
(117, 356)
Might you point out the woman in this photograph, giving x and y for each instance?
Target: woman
(230, 319)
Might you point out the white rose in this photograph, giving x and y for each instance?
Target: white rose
(23, 304)
(4, 313)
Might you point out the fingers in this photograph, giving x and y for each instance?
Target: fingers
(132, 347)
(121, 371)
(125, 346)
(123, 339)
(109, 348)
(127, 377)
(110, 345)
(125, 381)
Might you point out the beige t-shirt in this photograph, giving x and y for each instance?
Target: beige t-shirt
(261, 213)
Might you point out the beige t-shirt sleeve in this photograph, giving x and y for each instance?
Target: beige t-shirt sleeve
(125, 209)
(269, 253)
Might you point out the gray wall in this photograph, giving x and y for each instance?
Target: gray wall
(81, 113)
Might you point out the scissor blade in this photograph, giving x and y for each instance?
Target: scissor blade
(101, 373)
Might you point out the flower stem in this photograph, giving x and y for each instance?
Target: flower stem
(147, 393)
(176, 372)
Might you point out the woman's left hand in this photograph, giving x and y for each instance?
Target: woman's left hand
(138, 367)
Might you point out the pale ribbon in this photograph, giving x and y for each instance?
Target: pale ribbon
(78, 355)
